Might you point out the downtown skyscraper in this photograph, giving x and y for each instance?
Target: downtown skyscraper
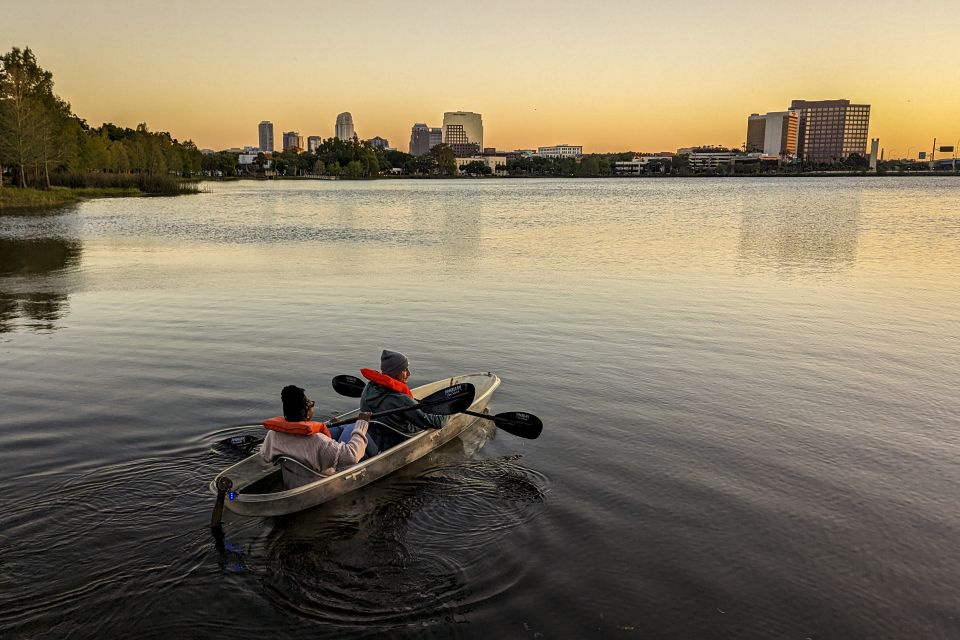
(344, 127)
(419, 139)
(266, 136)
(463, 131)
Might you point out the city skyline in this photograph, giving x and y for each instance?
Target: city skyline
(628, 78)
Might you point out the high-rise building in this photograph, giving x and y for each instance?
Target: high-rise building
(379, 143)
(420, 139)
(292, 140)
(436, 136)
(344, 129)
(266, 136)
(313, 142)
(831, 130)
(773, 134)
(463, 128)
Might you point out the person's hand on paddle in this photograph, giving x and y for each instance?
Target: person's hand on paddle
(364, 415)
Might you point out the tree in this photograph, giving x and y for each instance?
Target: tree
(397, 159)
(355, 169)
(589, 167)
(371, 163)
(26, 102)
(445, 158)
(476, 168)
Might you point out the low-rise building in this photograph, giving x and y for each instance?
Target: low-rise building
(560, 151)
(641, 165)
(704, 159)
(497, 164)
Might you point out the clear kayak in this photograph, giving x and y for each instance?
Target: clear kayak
(258, 488)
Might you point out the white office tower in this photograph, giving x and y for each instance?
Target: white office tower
(463, 127)
(344, 129)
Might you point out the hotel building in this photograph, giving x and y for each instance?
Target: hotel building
(831, 130)
(773, 134)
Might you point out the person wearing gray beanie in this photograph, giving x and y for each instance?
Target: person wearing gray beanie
(394, 364)
(387, 389)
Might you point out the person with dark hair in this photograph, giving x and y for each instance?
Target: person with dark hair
(387, 389)
(296, 435)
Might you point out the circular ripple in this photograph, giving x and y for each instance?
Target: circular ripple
(96, 539)
(412, 552)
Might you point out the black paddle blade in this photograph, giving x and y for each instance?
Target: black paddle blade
(243, 444)
(450, 400)
(520, 424)
(350, 386)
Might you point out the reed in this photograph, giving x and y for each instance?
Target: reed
(161, 185)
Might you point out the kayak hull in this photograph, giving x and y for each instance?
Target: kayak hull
(257, 489)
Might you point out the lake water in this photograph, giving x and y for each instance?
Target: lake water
(750, 391)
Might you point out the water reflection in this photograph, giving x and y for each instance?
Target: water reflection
(35, 281)
(460, 236)
(800, 230)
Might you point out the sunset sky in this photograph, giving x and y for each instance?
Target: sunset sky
(611, 76)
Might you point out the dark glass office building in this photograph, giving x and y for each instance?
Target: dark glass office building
(831, 130)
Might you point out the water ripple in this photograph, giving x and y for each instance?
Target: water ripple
(418, 551)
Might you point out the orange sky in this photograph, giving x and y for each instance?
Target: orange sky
(611, 76)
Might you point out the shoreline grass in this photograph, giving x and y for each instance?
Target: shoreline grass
(72, 188)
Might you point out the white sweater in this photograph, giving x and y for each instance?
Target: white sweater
(319, 452)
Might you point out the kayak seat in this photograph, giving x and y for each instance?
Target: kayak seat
(295, 473)
(384, 426)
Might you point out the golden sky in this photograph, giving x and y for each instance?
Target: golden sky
(611, 76)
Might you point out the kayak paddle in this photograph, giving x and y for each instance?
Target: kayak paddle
(518, 423)
(454, 399)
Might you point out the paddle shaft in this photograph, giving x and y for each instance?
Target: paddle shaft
(528, 427)
(447, 401)
(379, 414)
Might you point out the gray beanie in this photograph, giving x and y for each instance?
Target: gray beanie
(392, 363)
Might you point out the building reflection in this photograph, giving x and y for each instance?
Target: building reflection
(799, 232)
(35, 281)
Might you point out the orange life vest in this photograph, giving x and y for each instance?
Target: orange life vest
(386, 381)
(304, 428)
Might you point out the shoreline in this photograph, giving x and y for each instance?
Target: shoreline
(16, 199)
(806, 174)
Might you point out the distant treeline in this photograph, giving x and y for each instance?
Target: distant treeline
(43, 143)
(359, 159)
